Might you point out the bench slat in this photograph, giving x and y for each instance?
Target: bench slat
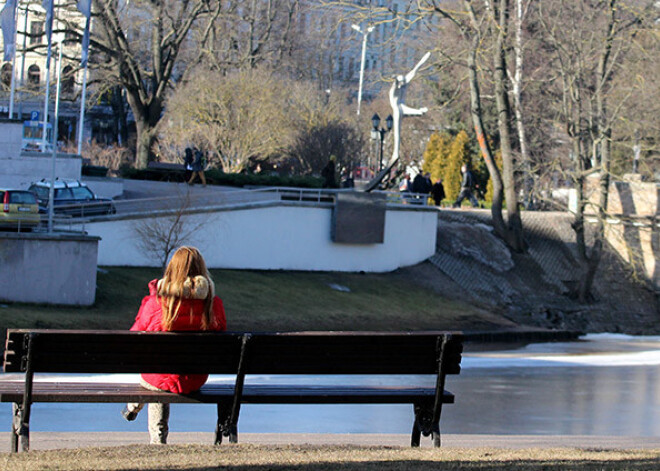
(217, 353)
(52, 391)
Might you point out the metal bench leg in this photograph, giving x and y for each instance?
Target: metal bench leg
(233, 434)
(224, 426)
(15, 426)
(20, 428)
(416, 434)
(435, 435)
(23, 412)
(425, 425)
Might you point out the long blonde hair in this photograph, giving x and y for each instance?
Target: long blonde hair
(186, 277)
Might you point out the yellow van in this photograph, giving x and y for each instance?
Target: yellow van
(19, 210)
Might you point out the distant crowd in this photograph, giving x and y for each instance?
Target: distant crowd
(422, 187)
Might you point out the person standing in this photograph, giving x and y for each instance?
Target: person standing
(188, 162)
(183, 300)
(328, 173)
(421, 187)
(198, 168)
(438, 192)
(406, 185)
(466, 189)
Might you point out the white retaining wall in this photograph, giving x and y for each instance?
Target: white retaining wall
(21, 170)
(52, 269)
(11, 138)
(278, 236)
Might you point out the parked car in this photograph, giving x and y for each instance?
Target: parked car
(20, 210)
(71, 197)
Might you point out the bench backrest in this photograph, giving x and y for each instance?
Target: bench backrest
(68, 351)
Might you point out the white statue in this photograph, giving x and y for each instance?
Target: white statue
(399, 109)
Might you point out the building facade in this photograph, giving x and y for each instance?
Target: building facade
(28, 69)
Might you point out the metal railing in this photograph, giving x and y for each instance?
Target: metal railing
(73, 218)
(18, 223)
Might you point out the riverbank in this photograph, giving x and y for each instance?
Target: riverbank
(537, 288)
(421, 297)
(326, 457)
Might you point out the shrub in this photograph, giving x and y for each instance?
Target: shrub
(215, 176)
(435, 155)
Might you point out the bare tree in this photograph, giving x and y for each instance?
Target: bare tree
(160, 236)
(236, 116)
(589, 43)
(487, 24)
(141, 43)
(314, 146)
(516, 77)
(244, 35)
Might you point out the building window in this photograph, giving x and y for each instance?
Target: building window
(34, 76)
(36, 32)
(68, 80)
(5, 74)
(71, 37)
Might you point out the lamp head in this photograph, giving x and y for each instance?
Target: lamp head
(375, 120)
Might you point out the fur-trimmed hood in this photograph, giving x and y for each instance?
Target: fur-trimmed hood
(197, 287)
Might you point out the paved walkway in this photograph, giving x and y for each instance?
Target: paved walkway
(60, 440)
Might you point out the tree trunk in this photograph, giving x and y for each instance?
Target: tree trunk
(146, 137)
(516, 81)
(603, 135)
(147, 118)
(119, 112)
(477, 120)
(514, 232)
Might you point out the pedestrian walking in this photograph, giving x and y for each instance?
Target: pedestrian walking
(199, 162)
(466, 189)
(188, 159)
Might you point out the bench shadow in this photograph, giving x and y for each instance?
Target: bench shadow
(423, 465)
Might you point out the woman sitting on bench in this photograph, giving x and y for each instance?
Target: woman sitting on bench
(184, 300)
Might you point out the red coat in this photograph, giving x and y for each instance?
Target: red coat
(149, 319)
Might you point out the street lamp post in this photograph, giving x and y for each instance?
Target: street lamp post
(380, 132)
(364, 54)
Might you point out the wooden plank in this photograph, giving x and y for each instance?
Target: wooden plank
(268, 353)
(12, 391)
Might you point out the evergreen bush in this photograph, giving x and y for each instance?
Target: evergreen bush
(459, 154)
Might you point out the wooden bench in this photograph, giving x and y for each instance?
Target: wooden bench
(166, 171)
(233, 353)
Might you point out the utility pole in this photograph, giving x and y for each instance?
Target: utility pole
(364, 54)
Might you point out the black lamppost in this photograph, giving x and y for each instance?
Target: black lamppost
(389, 121)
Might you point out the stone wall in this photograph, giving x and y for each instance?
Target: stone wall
(632, 224)
(11, 138)
(56, 269)
(633, 230)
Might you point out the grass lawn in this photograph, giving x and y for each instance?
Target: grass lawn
(327, 458)
(269, 300)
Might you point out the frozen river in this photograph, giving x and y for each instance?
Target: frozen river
(602, 385)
